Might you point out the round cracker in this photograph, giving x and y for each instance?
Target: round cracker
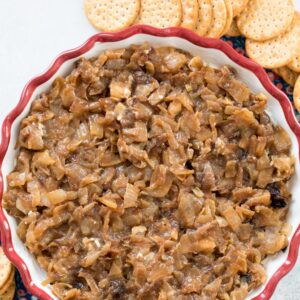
(276, 52)
(295, 63)
(219, 19)
(288, 75)
(296, 94)
(238, 6)
(8, 282)
(264, 19)
(229, 16)
(10, 292)
(5, 268)
(160, 14)
(190, 11)
(205, 17)
(111, 15)
(233, 30)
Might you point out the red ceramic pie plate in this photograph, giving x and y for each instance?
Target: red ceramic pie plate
(218, 50)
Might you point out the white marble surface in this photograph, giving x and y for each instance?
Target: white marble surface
(32, 34)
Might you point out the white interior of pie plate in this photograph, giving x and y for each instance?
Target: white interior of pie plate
(209, 56)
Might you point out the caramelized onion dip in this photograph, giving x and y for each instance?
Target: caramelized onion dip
(147, 174)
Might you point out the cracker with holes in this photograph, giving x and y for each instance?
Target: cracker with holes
(162, 14)
(287, 75)
(262, 20)
(190, 11)
(229, 16)
(111, 15)
(219, 19)
(278, 51)
(5, 268)
(296, 94)
(10, 292)
(233, 30)
(238, 6)
(295, 63)
(8, 282)
(205, 17)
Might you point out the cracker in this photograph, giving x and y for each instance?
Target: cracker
(8, 282)
(160, 14)
(5, 268)
(205, 17)
(264, 19)
(10, 292)
(288, 75)
(111, 15)
(233, 30)
(295, 63)
(190, 11)
(296, 94)
(219, 19)
(229, 16)
(238, 6)
(276, 52)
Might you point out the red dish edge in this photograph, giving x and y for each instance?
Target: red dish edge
(113, 37)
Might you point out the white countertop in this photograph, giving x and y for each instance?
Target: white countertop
(32, 34)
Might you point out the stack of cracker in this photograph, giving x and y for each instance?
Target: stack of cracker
(271, 27)
(7, 278)
(211, 18)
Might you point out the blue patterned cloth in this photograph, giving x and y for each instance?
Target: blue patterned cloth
(21, 292)
(239, 44)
